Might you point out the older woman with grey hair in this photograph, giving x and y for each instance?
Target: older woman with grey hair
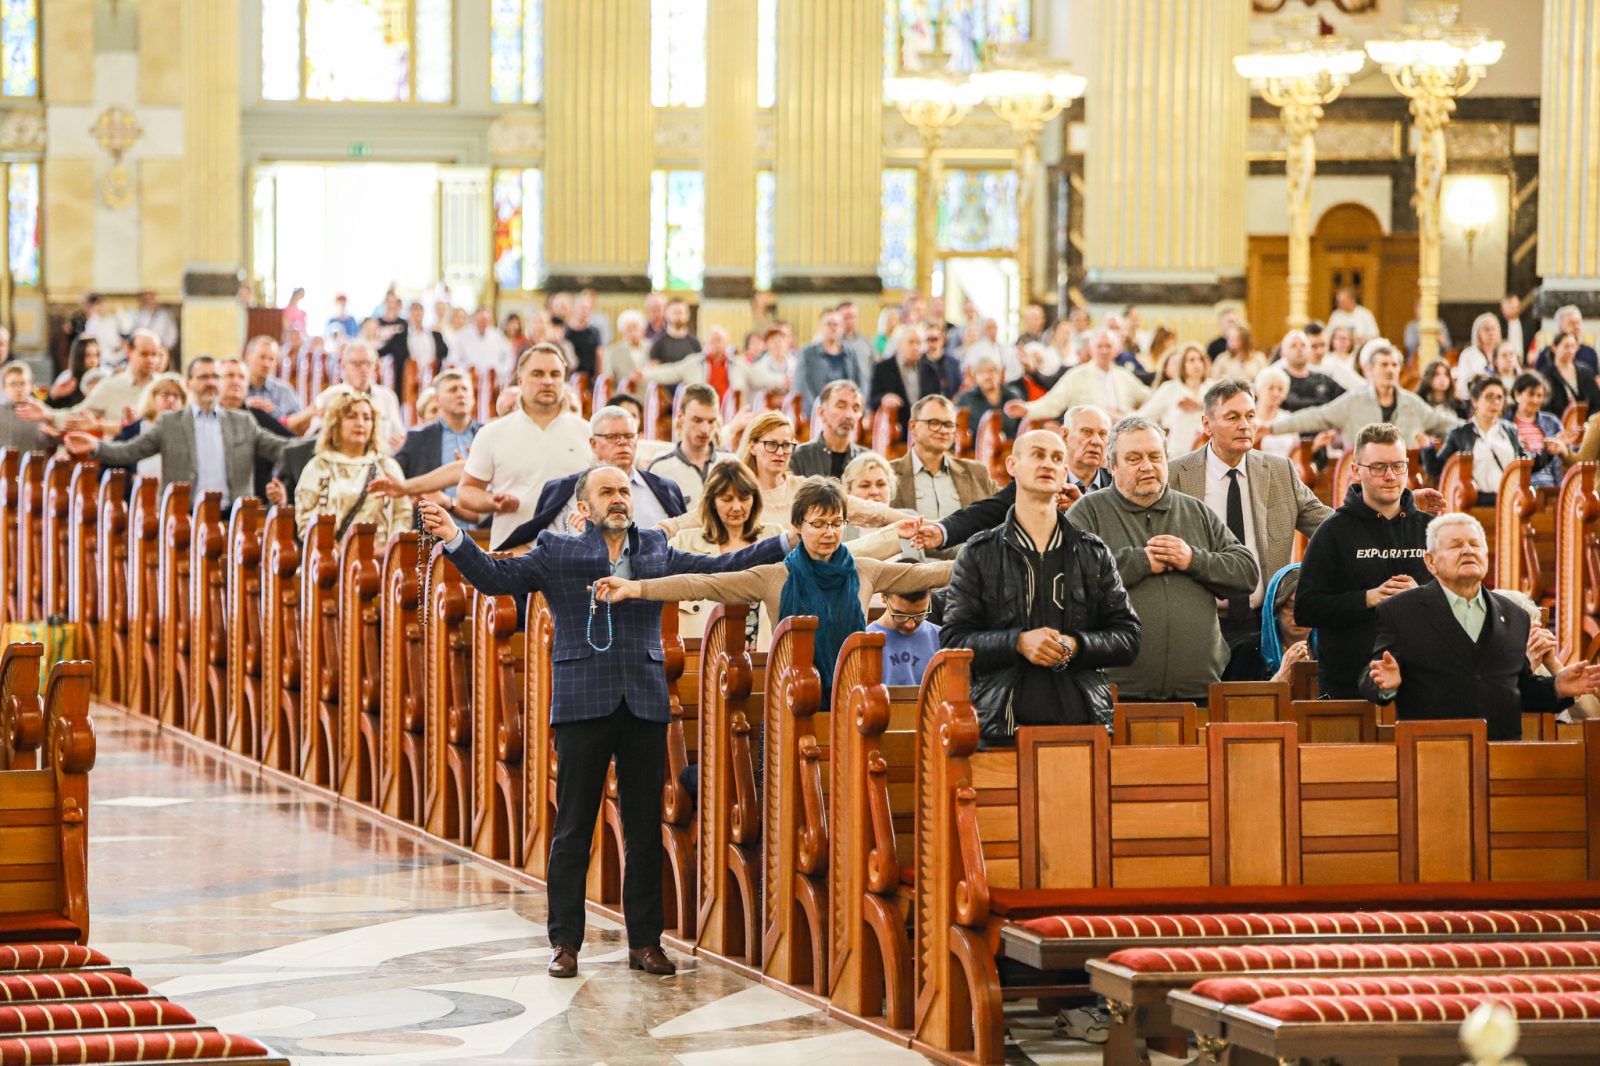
(989, 392)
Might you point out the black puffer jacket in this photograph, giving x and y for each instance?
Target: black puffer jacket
(987, 609)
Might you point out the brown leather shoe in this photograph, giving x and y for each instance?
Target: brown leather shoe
(651, 960)
(563, 961)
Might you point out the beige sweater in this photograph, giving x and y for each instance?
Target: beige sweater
(765, 583)
(330, 484)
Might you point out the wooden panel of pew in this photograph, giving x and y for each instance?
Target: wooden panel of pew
(400, 785)
(1248, 701)
(53, 538)
(10, 517)
(30, 537)
(280, 642)
(320, 741)
(497, 687)
(44, 815)
(243, 711)
(538, 760)
(991, 448)
(144, 618)
(680, 882)
(447, 682)
(172, 596)
(81, 537)
(1335, 721)
(1154, 723)
(21, 706)
(794, 893)
(361, 670)
(1577, 587)
(208, 651)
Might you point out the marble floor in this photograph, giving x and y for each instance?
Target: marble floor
(270, 911)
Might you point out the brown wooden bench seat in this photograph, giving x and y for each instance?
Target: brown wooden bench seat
(1554, 1024)
(1136, 981)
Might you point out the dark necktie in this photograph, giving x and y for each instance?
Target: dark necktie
(1238, 607)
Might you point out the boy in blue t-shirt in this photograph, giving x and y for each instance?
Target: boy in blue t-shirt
(911, 640)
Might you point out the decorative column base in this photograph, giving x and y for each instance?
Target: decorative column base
(725, 301)
(213, 322)
(1584, 293)
(802, 298)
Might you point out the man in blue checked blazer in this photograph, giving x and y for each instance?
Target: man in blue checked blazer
(609, 694)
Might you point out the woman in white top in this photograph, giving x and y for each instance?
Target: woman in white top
(1272, 386)
(1477, 357)
(730, 519)
(1181, 376)
(1240, 359)
(869, 477)
(166, 392)
(337, 480)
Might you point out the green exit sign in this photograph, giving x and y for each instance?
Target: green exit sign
(360, 149)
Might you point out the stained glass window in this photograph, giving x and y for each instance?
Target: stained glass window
(965, 29)
(22, 221)
(677, 229)
(897, 254)
(766, 223)
(519, 229)
(678, 53)
(19, 48)
(767, 53)
(516, 51)
(361, 51)
(978, 211)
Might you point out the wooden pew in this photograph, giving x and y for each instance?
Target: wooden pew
(21, 706)
(320, 741)
(1577, 579)
(990, 446)
(1335, 721)
(55, 541)
(30, 537)
(1154, 723)
(447, 688)
(243, 711)
(208, 651)
(173, 599)
(85, 592)
(1524, 533)
(1247, 701)
(680, 884)
(143, 686)
(10, 518)
(497, 725)
(280, 642)
(400, 786)
(44, 816)
(360, 664)
(794, 897)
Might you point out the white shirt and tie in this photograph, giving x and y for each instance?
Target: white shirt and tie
(1218, 476)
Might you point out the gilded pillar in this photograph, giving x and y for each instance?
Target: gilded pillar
(730, 137)
(1569, 145)
(829, 161)
(599, 148)
(1166, 163)
(213, 230)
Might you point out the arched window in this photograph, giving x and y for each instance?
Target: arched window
(516, 51)
(677, 230)
(966, 30)
(358, 51)
(519, 229)
(678, 53)
(19, 49)
(897, 250)
(22, 223)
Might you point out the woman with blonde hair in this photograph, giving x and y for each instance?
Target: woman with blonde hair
(339, 477)
(730, 519)
(166, 392)
(1181, 379)
(1478, 357)
(1240, 359)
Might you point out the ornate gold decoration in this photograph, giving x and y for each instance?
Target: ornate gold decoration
(518, 135)
(116, 131)
(23, 130)
(1212, 1048)
(933, 104)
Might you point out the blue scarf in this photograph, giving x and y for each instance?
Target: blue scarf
(830, 589)
(1271, 644)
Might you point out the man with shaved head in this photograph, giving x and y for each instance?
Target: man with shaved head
(1041, 605)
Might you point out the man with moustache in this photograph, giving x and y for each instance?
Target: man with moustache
(609, 694)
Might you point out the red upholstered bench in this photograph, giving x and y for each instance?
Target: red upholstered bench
(1282, 1029)
(21, 927)
(14, 957)
(1136, 981)
(87, 1014)
(161, 1045)
(1067, 941)
(68, 984)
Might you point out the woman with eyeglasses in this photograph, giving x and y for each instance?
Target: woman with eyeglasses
(819, 577)
(1487, 437)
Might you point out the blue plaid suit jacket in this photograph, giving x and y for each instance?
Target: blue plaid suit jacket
(588, 684)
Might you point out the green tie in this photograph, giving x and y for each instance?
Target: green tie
(1470, 614)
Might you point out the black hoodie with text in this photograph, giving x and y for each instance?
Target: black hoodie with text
(1356, 549)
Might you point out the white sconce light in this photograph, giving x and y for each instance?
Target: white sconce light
(1470, 205)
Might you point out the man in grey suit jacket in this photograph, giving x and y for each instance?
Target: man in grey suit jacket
(1258, 497)
(211, 447)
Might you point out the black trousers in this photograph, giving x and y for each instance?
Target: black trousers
(584, 751)
(1243, 636)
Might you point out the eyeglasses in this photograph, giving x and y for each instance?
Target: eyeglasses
(777, 447)
(938, 425)
(1380, 469)
(826, 525)
(617, 438)
(915, 616)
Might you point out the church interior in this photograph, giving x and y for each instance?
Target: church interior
(281, 761)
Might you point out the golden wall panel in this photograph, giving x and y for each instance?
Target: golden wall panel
(160, 225)
(160, 72)
(729, 128)
(213, 176)
(69, 220)
(68, 50)
(1569, 142)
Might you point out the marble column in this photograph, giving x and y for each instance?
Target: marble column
(730, 137)
(68, 194)
(1166, 161)
(599, 148)
(829, 161)
(1569, 147)
(213, 230)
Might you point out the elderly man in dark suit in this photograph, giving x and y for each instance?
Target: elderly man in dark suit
(1453, 649)
(609, 694)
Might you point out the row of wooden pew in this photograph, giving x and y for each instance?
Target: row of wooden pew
(882, 861)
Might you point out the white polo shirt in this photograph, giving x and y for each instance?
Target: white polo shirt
(512, 454)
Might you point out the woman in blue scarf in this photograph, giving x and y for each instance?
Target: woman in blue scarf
(1282, 642)
(819, 577)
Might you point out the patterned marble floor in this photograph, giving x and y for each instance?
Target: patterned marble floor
(272, 912)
